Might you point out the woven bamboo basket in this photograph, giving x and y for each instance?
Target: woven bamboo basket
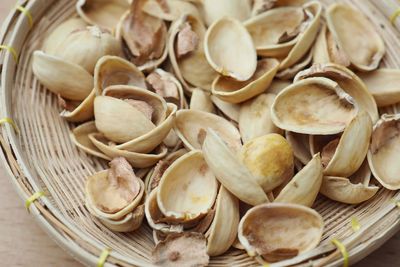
(41, 157)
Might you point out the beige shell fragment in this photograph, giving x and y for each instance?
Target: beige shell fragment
(104, 13)
(181, 250)
(68, 80)
(313, 106)
(229, 49)
(203, 75)
(217, 9)
(300, 145)
(352, 190)
(223, 230)
(357, 37)
(83, 112)
(343, 157)
(230, 172)
(112, 70)
(192, 125)
(255, 117)
(297, 229)
(170, 10)
(348, 81)
(229, 110)
(290, 73)
(188, 188)
(383, 152)
(384, 85)
(234, 91)
(201, 100)
(305, 185)
(131, 222)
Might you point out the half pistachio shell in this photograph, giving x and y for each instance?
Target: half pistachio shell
(230, 172)
(352, 190)
(384, 85)
(84, 111)
(357, 37)
(112, 70)
(297, 229)
(313, 106)
(187, 30)
(348, 81)
(383, 151)
(188, 188)
(192, 125)
(201, 100)
(229, 49)
(63, 78)
(255, 117)
(102, 13)
(215, 10)
(234, 91)
(305, 185)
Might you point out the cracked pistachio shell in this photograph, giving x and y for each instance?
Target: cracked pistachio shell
(83, 112)
(102, 179)
(383, 152)
(297, 229)
(305, 185)
(230, 172)
(112, 70)
(384, 85)
(217, 9)
(233, 91)
(63, 78)
(203, 75)
(344, 157)
(348, 81)
(230, 110)
(201, 100)
(356, 37)
(104, 13)
(223, 230)
(255, 117)
(352, 190)
(188, 188)
(313, 106)
(267, 28)
(229, 49)
(191, 126)
(269, 158)
(170, 10)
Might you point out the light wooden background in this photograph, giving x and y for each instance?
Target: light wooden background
(23, 243)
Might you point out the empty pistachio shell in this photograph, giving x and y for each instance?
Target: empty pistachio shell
(223, 230)
(383, 85)
(313, 106)
(188, 32)
(383, 151)
(102, 13)
(112, 70)
(255, 117)
(304, 187)
(357, 37)
(230, 172)
(192, 125)
(270, 159)
(352, 190)
(68, 80)
(217, 9)
(348, 81)
(230, 50)
(170, 10)
(188, 188)
(201, 101)
(297, 229)
(83, 112)
(236, 92)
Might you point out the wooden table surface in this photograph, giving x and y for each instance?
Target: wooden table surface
(23, 243)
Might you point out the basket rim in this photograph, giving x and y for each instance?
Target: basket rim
(44, 213)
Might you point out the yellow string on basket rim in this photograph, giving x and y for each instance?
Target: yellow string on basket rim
(103, 257)
(27, 14)
(33, 198)
(355, 224)
(342, 250)
(11, 122)
(394, 16)
(11, 50)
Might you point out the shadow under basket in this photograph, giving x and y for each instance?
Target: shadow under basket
(42, 157)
